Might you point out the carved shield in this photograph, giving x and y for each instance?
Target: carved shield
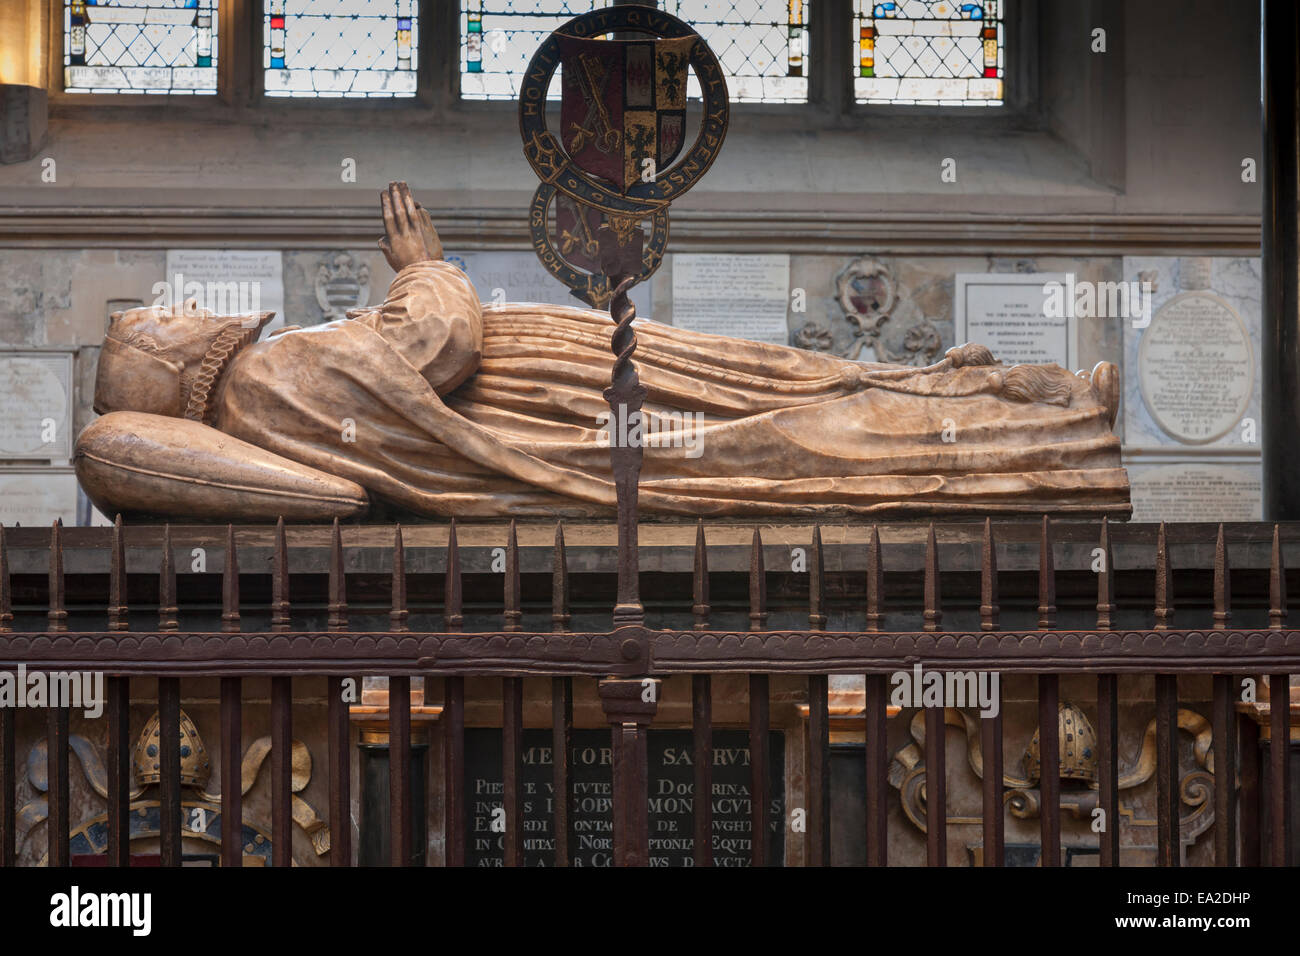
(624, 102)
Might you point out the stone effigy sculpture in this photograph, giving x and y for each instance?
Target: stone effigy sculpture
(435, 404)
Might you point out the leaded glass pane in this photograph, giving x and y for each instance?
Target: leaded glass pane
(340, 47)
(146, 46)
(761, 44)
(499, 37)
(929, 53)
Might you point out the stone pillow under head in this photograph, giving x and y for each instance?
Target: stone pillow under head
(142, 464)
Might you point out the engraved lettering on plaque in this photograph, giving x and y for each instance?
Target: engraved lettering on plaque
(1196, 368)
(35, 420)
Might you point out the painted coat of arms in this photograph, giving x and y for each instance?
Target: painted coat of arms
(623, 110)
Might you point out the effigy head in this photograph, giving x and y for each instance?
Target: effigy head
(166, 360)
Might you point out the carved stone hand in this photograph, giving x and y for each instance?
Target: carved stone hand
(409, 236)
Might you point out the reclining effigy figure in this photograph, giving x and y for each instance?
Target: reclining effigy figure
(435, 404)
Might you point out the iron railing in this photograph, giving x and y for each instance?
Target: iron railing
(628, 662)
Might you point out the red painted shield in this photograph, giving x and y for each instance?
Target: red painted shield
(623, 106)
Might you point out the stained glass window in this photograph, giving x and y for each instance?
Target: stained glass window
(762, 45)
(140, 46)
(340, 47)
(499, 37)
(929, 52)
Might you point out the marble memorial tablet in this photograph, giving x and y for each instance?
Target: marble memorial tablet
(742, 296)
(1196, 367)
(671, 801)
(1195, 491)
(36, 497)
(228, 281)
(1009, 314)
(520, 277)
(35, 405)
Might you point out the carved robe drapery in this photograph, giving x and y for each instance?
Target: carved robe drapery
(463, 409)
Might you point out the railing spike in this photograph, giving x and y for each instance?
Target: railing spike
(701, 608)
(1164, 583)
(560, 616)
(988, 580)
(875, 582)
(117, 579)
(6, 598)
(816, 583)
(933, 592)
(1105, 582)
(1046, 578)
(168, 612)
(513, 613)
(1277, 585)
(1222, 583)
(398, 614)
(57, 615)
(280, 580)
(338, 597)
(452, 608)
(757, 584)
(230, 586)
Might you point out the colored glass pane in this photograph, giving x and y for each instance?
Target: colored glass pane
(929, 52)
(154, 46)
(358, 48)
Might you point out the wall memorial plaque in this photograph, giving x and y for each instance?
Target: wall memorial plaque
(1009, 314)
(228, 281)
(1196, 367)
(520, 277)
(35, 405)
(36, 497)
(672, 782)
(1186, 373)
(743, 296)
(1196, 491)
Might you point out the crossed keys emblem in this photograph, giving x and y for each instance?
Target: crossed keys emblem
(593, 79)
(599, 218)
(580, 239)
